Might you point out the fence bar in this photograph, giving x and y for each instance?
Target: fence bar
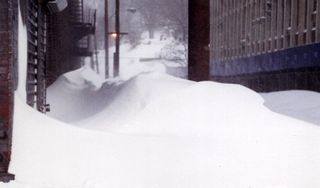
(318, 22)
(280, 34)
(294, 24)
(301, 22)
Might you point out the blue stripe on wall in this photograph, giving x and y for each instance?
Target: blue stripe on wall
(292, 58)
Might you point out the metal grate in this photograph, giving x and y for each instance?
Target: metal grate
(36, 70)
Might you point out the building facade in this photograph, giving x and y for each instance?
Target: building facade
(69, 38)
(267, 45)
(57, 39)
(8, 80)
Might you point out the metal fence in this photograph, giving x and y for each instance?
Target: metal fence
(263, 36)
(243, 28)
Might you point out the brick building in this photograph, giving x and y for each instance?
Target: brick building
(8, 80)
(57, 40)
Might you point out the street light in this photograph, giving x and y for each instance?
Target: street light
(117, 35)
(114, 35)
(117, 53)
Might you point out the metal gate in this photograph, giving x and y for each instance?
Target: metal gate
(8, 80)
(36, 69)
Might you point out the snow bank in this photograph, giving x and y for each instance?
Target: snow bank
(74, 95)
(113, 103)
(156, 131)
(304, 105)
(176, 133)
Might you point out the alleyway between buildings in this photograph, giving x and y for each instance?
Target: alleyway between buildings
(148, 129)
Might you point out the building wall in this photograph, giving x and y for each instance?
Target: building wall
(68, 41)
(8, 77)
(59, 46)
(277, 39)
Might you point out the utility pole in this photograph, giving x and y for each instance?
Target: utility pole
(117, 53)
(199, 40)
(106, 38)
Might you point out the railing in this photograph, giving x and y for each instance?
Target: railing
(83, 45)
(245, 28)
(90, 17)
(76, 11)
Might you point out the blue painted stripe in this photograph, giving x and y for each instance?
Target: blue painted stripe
(293, 58)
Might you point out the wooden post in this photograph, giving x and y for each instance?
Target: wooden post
(227, 35)
(220, 25)
(217, 33)
(106, 37)
(318, 22)
(232, 28)
(239, 28)
(212, 29)
(286, 24)
(301, 22)
(273, 24)
(245, 29)
(242, 28)
(199, 39)
(267, 25)
(294, 24)
(117, 52)
(214, 34)
(310, 5)
(249, 27)
(254, 27)
(259, 31)
(280, 33)
(263, 25)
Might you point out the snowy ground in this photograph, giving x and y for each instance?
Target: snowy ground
(304, 105)
(167, 132)
(151, 130)
(150, 55)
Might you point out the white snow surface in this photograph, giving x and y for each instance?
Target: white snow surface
(304, 105)
(152, 130)
(168, 132)
(150, 49)
(22, 58)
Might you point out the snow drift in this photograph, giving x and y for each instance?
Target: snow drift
(157, 131)
(175, 133)
(304, 105)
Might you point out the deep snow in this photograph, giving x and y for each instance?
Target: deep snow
(181, 134)
(152, 130)
(304, 105)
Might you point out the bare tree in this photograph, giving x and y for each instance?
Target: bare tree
(176, 13)
(151, 12)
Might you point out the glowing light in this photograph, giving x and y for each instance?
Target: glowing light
(114, 35)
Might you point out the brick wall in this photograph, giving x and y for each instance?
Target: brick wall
(8, 57)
